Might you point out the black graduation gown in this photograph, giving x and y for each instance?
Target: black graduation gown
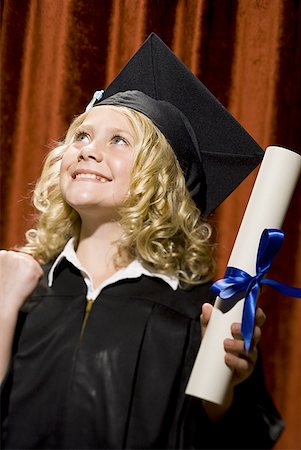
(120, 385)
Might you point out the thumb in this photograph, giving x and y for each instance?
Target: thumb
(205, 316)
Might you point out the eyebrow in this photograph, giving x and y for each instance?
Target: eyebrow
(109, 129)
(119, 130)
(112, 130)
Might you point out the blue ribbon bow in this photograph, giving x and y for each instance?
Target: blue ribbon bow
(237, 281)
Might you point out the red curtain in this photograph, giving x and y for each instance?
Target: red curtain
(56, 53)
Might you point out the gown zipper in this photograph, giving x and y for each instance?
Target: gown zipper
(89, 304)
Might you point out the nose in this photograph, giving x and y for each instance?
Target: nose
(91, 151)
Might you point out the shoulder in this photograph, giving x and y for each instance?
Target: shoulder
(41, 290)
(187, 302)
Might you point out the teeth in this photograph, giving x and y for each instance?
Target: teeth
(91, 176)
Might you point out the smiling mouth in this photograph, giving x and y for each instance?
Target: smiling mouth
(90, 176)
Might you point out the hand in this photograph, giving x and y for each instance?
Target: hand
(19, 275)
(236, 358)
(241, 362)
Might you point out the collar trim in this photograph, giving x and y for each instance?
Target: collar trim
(134, 270)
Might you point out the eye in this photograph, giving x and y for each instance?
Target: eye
(82, 136)
(119, 140)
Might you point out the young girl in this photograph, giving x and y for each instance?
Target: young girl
(103, 336)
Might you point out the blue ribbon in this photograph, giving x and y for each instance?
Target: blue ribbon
(237, 281)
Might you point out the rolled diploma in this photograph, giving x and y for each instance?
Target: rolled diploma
(266, 208)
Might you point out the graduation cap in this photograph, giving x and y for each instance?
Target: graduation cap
(215, 152)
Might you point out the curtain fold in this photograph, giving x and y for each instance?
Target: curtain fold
(56, 53)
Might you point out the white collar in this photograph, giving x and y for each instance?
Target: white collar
(134, 270)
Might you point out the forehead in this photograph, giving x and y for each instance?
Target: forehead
(109, 116)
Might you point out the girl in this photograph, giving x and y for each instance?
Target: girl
(102, 337)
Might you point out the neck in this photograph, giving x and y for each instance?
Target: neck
(97, 249)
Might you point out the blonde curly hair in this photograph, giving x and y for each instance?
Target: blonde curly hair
(161, 223)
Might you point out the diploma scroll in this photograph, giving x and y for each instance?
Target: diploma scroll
(266, 208)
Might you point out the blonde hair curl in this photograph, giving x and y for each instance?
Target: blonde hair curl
(161, 223)
(56, 220)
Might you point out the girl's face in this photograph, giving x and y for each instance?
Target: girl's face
(95, 169)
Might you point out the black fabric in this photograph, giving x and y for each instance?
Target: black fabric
(122, 385)
(215, 152)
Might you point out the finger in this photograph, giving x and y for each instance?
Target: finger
(256, 336)
(259, 321)
(237, 347)
(239, 363)
(260, 317)
(236, 330)
(238, 338)
(234, 346)
(206, 314)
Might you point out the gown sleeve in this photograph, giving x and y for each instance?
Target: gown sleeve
(7, 383)
(252, 422)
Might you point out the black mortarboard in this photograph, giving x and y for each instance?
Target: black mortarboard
(213, 149)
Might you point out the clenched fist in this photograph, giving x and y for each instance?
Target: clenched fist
(19, 275)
